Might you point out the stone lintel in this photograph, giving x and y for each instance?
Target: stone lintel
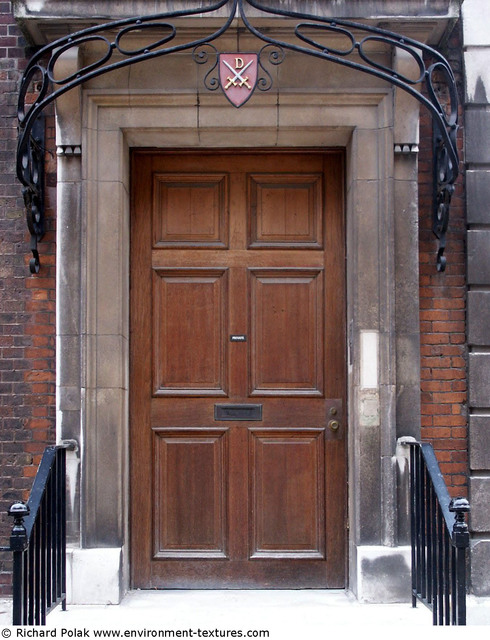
(424, 21)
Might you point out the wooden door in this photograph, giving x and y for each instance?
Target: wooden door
(237, 375)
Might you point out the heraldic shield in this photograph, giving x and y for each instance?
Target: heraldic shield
(238, 76)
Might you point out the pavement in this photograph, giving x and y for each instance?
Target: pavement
(284, 615)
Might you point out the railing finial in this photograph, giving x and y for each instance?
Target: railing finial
(18, 536)
(460, 506)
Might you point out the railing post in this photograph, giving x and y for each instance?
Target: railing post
(413, 527)
(461, 540)
(18, 544)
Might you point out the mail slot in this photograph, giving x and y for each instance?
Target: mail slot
(238, 412)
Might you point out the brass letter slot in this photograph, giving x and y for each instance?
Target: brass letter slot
(238, 412)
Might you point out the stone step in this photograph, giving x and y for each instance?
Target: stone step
(305, 614)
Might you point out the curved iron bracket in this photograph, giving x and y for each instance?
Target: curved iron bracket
(308, 33)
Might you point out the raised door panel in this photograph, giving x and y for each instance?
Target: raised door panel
(287, 332)
(190, 493)
(189, 329)
(285, 210)
(190, 210)
(288, 493)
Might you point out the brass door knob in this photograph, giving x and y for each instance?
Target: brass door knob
(334, 425)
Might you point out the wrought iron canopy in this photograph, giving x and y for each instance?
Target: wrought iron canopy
(306, 36)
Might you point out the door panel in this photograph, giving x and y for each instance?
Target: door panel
(187, 362)
(285, 210)
(189, 210)
(287, 492)
(190, 485)
(286, 360)
(237, 369)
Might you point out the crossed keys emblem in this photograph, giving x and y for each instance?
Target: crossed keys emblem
(238, 76)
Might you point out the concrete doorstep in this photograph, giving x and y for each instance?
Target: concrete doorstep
(283, 615)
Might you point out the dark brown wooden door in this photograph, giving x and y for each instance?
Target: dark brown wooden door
(237, 370)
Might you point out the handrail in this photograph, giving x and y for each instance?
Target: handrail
(438, 483)
(439, 539)
(38, 542)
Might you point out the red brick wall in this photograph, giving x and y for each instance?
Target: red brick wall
(442, 314)
(27, 308)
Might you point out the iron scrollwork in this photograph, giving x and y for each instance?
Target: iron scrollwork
(433, 73)
(40, 79)
(306, 37)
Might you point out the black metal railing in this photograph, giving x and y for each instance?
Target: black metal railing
(439, 539)
(38, 543)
